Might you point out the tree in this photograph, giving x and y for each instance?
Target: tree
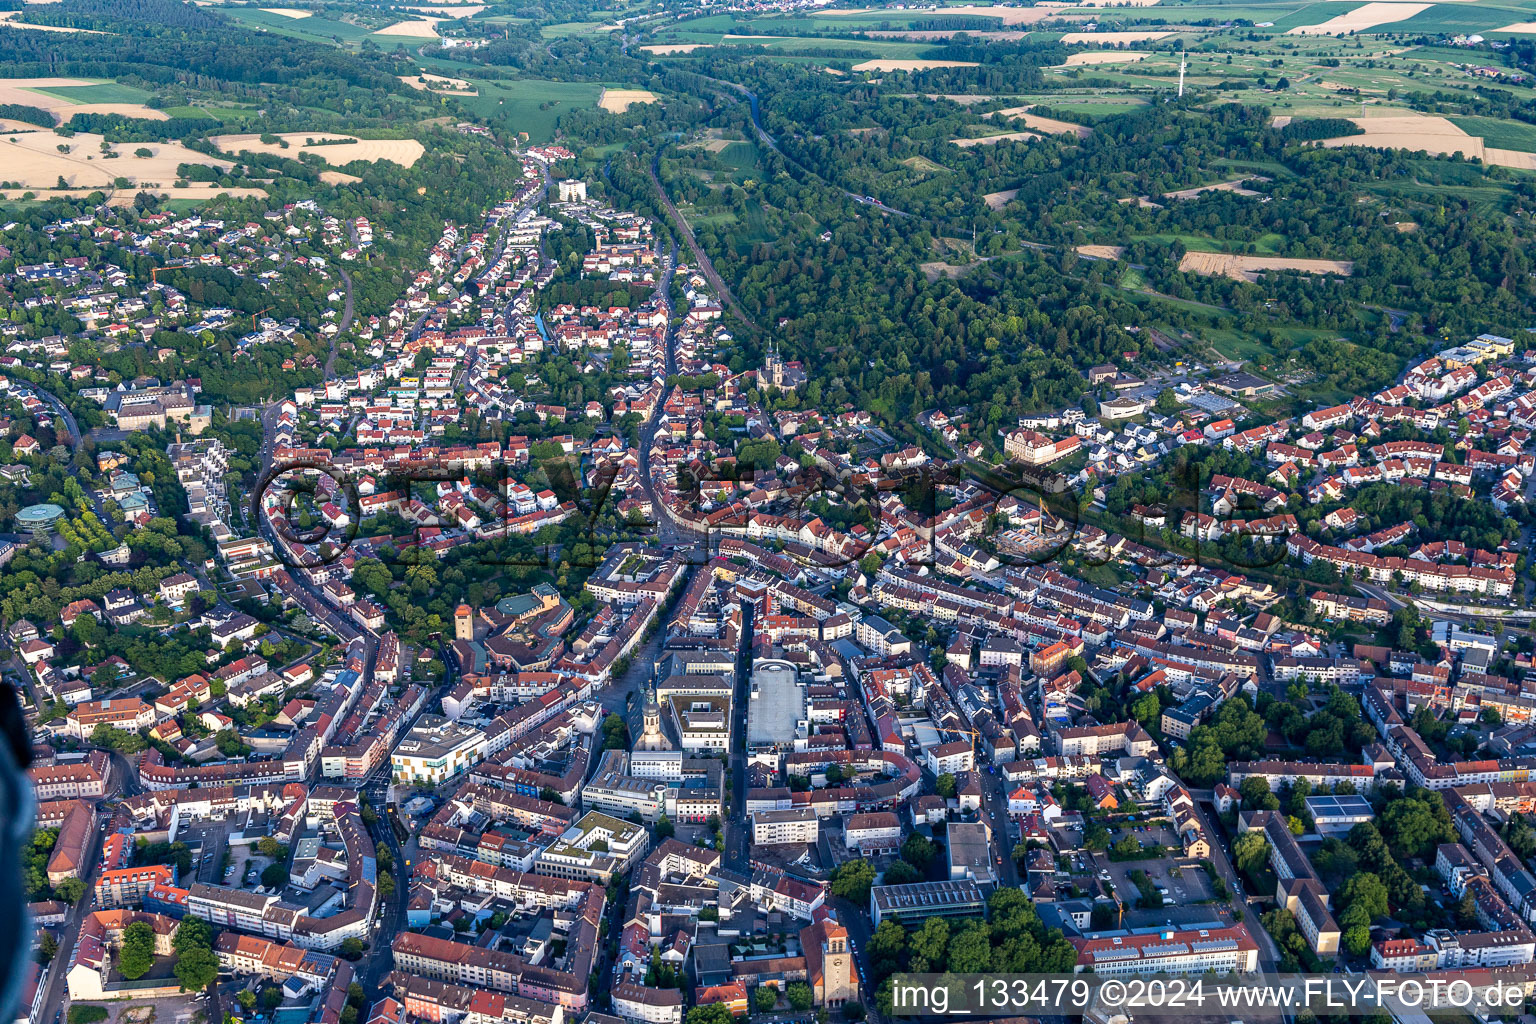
(246, 999)
(47, 948)
(799, 995)
(929, 946)
(352, 949)
(711, 1013)
(1364, 898)
(138, 953)
(269, 847)
(887, 947)
(918, 851)
(1414, 825)
(192, 933)
(70, 890)
(272, 997)
(901, 873)
(664, 828)
(274, 876)
(1357, 939)
(765, 998)
(854, 1010)
(852, 879)
(196, 969)
(1256, 794)
(1250, 851)
(944, 785)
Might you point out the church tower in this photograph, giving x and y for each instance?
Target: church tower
(652, 738)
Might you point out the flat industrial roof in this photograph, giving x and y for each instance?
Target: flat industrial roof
(1346, 805)
(776, 705)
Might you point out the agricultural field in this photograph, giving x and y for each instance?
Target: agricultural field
(43, 159)
(336, 150)
(315, 28)
(531, 105)
(66, 97)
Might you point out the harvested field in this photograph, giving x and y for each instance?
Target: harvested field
(453, 13)
(663, 49)
(712, 145)
(1382, 12)
(938, 35)
(33, 159)
(1280, 120)
(1435, 135)
(1101, 252)
(1528, 27)
(1111, 38)
(1048, 125)
(912, 65)
(1225, 186)
(1078, 60)
(28, 91)
(988, 140)
(1510, 158)
(9, 125)
(619, 100)
(125, 197)
(338, 178)
(1248, 268)
(404, 152)
(438, 83)
(1008, 15)
(288, 12)
(415, 29)
(1117, 3)
(998, 200)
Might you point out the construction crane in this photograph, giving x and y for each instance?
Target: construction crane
(258, 313)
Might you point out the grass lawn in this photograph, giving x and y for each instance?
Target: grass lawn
(1498, 133)
(924, 165)
(189, 112)
(1234, 344)
(316, 29)
(1451, 18)
(567, 29)
(531, 105)
(101, 92)
(1312, 14)
(740, 155)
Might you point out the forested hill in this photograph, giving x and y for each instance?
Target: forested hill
(905, 313)
(167, 43)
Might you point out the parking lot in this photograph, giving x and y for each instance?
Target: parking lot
(1185, 881)
(211, 837)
